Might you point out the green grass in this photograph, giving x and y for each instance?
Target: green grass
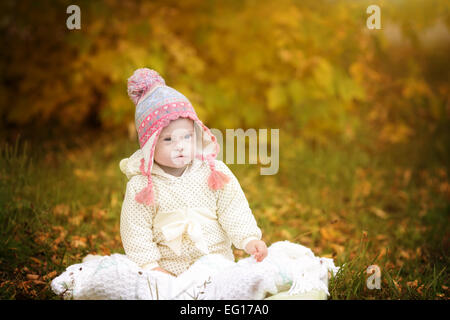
(60, 201)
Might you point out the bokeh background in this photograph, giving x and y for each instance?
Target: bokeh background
(363, 118)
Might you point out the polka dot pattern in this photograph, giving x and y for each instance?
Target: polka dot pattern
(235, 223)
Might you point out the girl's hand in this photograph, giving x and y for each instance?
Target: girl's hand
(162, 270)
(257, 248)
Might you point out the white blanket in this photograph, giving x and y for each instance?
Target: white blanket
(288, 266)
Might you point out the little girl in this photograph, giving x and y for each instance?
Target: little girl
(180, 202)
(182, 212)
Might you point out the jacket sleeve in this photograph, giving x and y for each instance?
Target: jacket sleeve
(233, 211)
(136, 231)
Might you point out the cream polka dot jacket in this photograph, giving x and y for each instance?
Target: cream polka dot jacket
(188, 219)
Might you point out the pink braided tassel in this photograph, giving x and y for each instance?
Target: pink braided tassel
(146, 196)
(217, 180)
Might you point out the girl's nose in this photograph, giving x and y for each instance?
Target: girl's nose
(179, 145)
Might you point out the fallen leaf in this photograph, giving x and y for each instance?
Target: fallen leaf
(32, 276)
(405, 254)
(36, 260)
(383, 252)
(50, 275)
(78, 242)
(61, 236)
(98, 213)
(41, 237)
(399, 288)
(105, 251)
(419, 289)
(329, 234)
(413, 284)
(25, 285)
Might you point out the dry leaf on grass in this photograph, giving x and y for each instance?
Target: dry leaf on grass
(399, 288)
(78, 242)
(36, 260)
(32, 276)
(50, 275)
(413, 284)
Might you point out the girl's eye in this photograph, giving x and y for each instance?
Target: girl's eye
(187, 136)
(166, 139)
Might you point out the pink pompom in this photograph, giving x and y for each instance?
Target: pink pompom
(217, 180)
(142, 81)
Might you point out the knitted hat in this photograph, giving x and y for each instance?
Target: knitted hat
(157, 105)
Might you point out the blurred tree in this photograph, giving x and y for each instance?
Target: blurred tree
(310, 68)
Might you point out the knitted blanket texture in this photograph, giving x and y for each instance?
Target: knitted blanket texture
(288, 267)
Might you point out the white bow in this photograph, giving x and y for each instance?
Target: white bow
(174, 224)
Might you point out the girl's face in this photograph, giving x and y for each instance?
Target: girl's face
(175, 147)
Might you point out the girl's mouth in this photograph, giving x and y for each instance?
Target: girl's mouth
(180, 158)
